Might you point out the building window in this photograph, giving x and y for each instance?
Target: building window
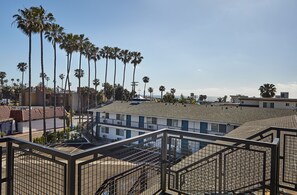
(287, 104)
(105, 129)
(172, 123)
(264, 104)
(120, 132)
(222, 128)
(214, 127)
(120, 117)
(106, 115)
(151, 120)
(271, 105)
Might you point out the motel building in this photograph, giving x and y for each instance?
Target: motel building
(122, 120)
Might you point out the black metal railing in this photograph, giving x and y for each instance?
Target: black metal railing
(185, 162)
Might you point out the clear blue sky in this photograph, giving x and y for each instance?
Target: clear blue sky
(207, 47)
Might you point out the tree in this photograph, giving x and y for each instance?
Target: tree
(108, 90)
(26, 23)
(79, 73)
(145, 79)
(115, 54)
(119, 92)
(62, 76)
(105, 52)
(202, 98)
(125, 56)
(22, 66)
(150, 90)
(54, 34)
(267, 90)
(42, 22)
(47, 79)
(161, 89)
(172, 91)
(136, 59)
(182, 99)
(169, 97)
(95, 57)
(2, 77)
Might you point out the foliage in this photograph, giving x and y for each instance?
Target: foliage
(169, 97)
(267, 90)
(202, 98)
(108, 90)
(53, 137)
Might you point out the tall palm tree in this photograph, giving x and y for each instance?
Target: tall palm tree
(69, 44)
(161, 89)
(26, 23)
(95, 56)
(79, 73)
(150, 90)
(172, 91)
(145, 79)
(54, 35)
(136, 59)
(267, 90)
(42, 22)
(22, 66)
(105, 52)
(47, 78)
(81, 46)
(125, 56)
(62, 76)
(115, 54)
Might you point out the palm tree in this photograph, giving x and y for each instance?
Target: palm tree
(69, 44)
(172, 91)
(136, 59)
(42, 22)
(54, 35)
(105, 52)
(79, 73)
(115, 54)
(26, 23)
(150, 90)
(22, 66)
(47, 78)
(62, 76)
(145, 79)
(267, 90)
(95, 57)
(162, 89)
(125, 56)
(81, 46)
(2, 77)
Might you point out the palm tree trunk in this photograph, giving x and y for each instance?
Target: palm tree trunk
(144, 90)
(89, 77)
(30, 101)
(114, 77)
(79, 93)
(124, 75)
(70, 94)
(95, 83)
(23, 79)
(133, 82)
(55, 83)
(105, 74)
(64, 94)
(43, 89)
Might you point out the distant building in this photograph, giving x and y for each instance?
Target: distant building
(7, 125)
(278, 103)
(121, 120)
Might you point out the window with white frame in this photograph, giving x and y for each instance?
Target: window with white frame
(105, 129)
(172, 123)
(222, 128)
(107, 115)
(120, 132)
(120, 117)
(151, 120)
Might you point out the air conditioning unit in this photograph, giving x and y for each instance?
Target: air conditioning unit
(103, 117)
(105, 121)
(119, 122)
(104, 136)
(150, 127)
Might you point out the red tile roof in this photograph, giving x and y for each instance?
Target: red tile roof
(5, 112)
(37, 113)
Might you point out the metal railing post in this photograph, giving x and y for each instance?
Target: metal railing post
(9, 169)
(274, 172)
(71, 187)
(164, 161)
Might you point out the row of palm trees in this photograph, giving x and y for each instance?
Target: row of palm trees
(36, 20)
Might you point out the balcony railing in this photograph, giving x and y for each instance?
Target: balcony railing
(147, 126)
(184, 162)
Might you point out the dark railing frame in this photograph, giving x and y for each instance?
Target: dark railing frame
(164, 133)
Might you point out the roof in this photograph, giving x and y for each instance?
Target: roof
(222, 114)
(37, 113)
(269, 99)
(5, 113)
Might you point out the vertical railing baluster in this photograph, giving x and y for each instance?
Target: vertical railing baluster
(1, 169)
(9, 168)
(71, 178)
(164, 161)
(274, 171)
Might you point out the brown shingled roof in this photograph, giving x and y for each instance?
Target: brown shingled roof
(5, 112)
(37, 113)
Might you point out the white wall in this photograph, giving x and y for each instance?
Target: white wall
(23, 127)
(279, 105)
